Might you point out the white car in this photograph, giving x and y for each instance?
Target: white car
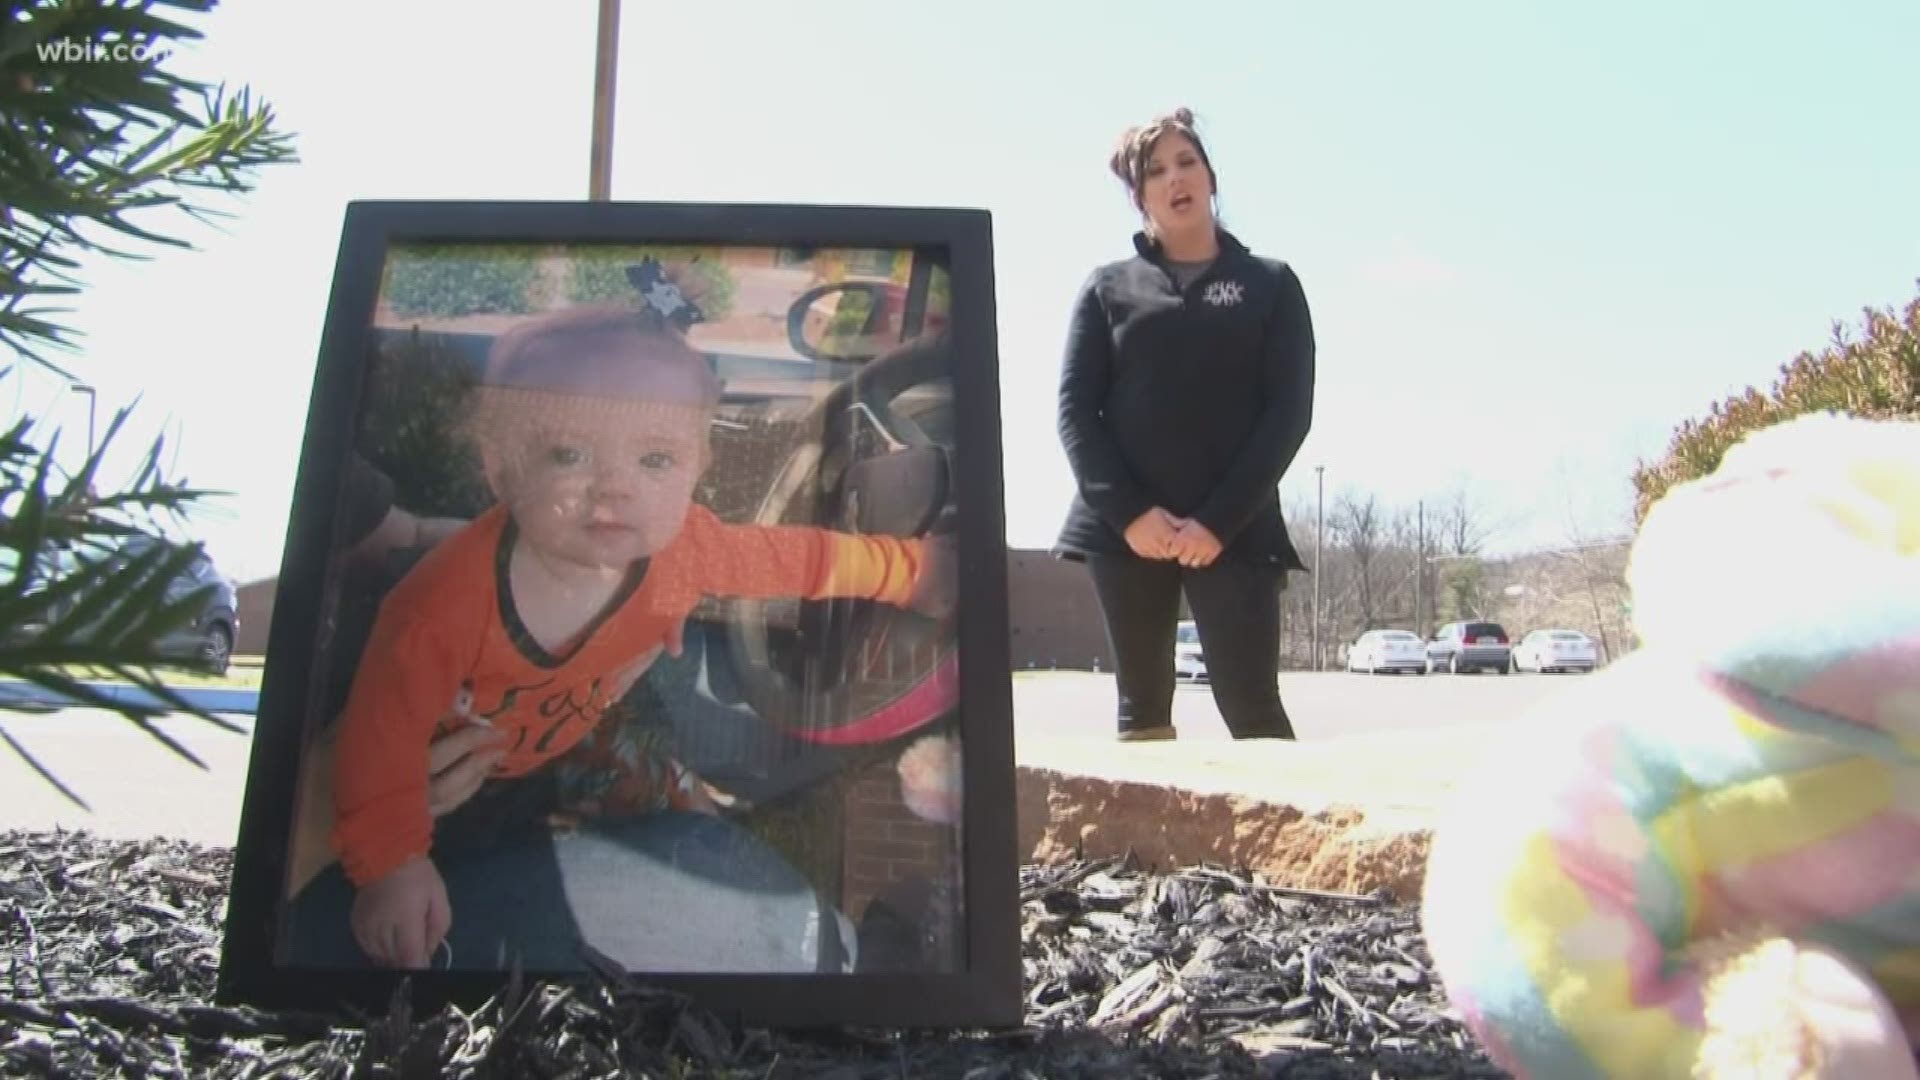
(1387, 650)
(1189, 660)
(1555, 650)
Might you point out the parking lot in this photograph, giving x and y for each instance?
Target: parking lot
(135, 785)
(1323, 705)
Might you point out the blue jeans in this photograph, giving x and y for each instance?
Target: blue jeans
(673, 891)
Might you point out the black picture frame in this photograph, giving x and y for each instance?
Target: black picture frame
(980, 987)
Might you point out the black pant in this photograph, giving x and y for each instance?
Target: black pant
(1236, 607)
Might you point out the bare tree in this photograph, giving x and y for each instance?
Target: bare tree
(1378, 566)
(1362, 528)
(1405, 567)
(1296, 604)
(1599, 563)
(1459, 525)
(1461, 529)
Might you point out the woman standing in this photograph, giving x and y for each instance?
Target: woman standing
(1186, 390)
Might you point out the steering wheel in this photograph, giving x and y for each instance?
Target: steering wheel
(855, 672)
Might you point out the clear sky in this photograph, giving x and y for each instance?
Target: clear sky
(1534, 236)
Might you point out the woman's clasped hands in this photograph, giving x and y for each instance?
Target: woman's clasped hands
(1160, 534)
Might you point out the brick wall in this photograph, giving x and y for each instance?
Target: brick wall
(886, 843)
(254, 604)
(1054, 615)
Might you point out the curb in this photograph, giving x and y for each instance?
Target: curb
(209, 699)
(1065, 814)
(1063, 817)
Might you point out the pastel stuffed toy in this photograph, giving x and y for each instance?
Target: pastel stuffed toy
(1705, 860)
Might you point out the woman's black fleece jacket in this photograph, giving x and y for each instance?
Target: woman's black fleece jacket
(1194, 400)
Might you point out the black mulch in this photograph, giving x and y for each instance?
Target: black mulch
(108, 952)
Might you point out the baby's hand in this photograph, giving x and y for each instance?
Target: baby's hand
(400, 919)
(939, 584)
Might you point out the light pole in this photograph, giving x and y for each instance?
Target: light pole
(92, 401)
(1319, 531)
(606, 54)
(1420, 568)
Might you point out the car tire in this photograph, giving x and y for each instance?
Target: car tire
(218, 650)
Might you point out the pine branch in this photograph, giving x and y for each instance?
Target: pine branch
(85, 581)
(93, 151)
(95, 158)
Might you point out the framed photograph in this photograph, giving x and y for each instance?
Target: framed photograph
(621, 620)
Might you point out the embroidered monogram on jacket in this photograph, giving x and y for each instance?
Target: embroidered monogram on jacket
(1223, 293)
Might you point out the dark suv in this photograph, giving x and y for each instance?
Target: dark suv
(210, 636)
(1470, 646)
(206, 640)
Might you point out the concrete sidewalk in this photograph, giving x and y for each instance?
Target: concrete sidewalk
(133, 786)
(1349, 814)
(1400, 776)
(1346, 812)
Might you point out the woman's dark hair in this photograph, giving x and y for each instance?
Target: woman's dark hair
(1130, 157)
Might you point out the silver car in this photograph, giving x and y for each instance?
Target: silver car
(1387, 650)
(1555, 650)
(1189, 659)
(1470, 646)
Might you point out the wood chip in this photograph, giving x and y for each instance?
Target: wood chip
(109, 950)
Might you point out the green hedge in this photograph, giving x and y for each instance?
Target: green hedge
(450, 280)
(599, 275)
(461, 279)
(1874, 375)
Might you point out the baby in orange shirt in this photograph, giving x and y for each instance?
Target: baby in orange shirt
(592, 427)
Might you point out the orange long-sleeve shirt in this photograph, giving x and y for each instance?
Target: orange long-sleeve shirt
(447, 642)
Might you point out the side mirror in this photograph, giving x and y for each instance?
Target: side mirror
(845, 321)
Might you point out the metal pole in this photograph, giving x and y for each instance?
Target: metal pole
(1319, 531)
(1419, 567)
(606, 54)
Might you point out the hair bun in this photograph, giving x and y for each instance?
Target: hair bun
(1129, 159)
(1121, 160)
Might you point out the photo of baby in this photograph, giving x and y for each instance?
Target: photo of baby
(538, 734)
